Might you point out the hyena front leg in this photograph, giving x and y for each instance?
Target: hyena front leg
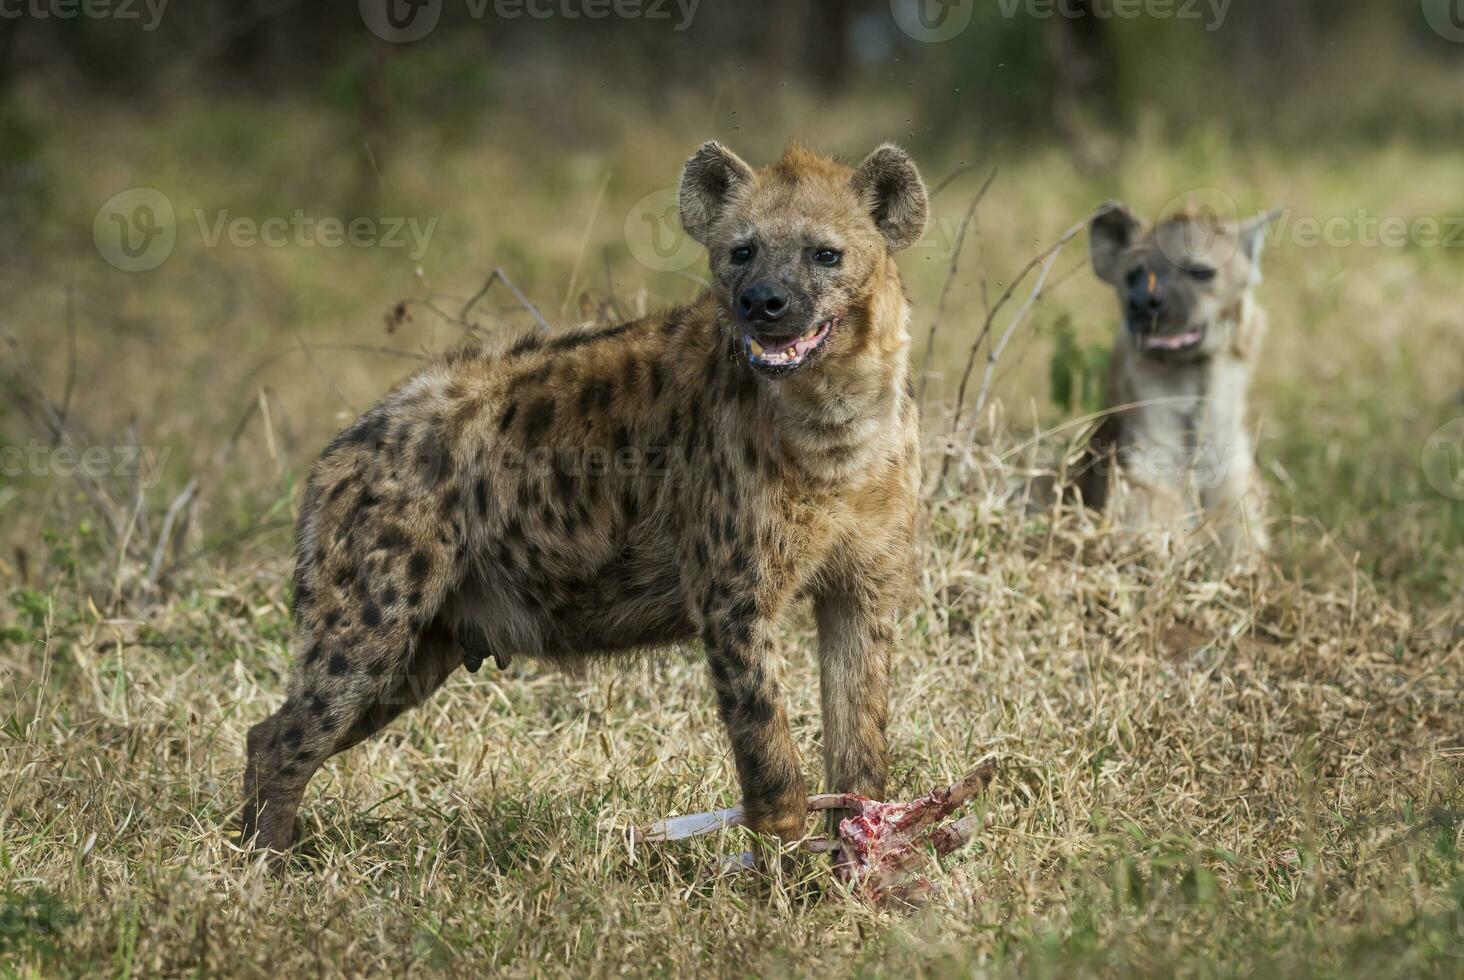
(856, 616)
(750, 701)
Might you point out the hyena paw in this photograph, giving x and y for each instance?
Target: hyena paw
(785, 818)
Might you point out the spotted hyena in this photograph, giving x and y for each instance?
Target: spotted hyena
(688, 475)
(1179, 376)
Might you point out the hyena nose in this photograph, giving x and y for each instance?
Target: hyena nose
(1144, 304)
(763, 302)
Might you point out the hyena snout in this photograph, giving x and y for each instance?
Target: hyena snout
(765, 301)
(1147, 297)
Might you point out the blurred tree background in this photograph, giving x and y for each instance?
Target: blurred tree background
(533, 133)
(1076, 71)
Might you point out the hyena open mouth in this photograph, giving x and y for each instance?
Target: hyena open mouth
(784, 354)
(1192, 337)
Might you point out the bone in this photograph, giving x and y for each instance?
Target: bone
(879, 846)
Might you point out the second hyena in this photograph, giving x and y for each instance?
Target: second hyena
(684, 476)
(1179, 377)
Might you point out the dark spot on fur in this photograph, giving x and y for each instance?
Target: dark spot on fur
(506, 419)
(579, 338)
(658, 380)
(595, 394)
(537, 420)
(365, 431)
(418, 566)
(563, 481)
(338, 664)
(391, 539)
(525, 344)
(480, 496)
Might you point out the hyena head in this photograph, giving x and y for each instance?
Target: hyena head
(800, 249)
(1182, 283)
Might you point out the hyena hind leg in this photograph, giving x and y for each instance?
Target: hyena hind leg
(336, 701)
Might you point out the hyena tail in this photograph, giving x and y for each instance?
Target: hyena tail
(370, 643)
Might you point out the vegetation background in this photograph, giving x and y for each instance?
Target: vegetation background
(1255, 774)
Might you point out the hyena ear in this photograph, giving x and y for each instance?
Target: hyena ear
(707, 181)
(1253, 239)
(890, 186)
(1111, 233)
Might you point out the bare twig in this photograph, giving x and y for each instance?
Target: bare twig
(994, 352)
(579, 257)
(1001, 302)
(70, 353)
(324, 375)
(953, 176)
(945, 288)
(165, 533)
(1044, 261)
(498, 275)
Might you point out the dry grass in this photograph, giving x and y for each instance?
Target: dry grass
(1197, 775)
(1256, 774)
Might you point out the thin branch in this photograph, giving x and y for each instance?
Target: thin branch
(994, 352)
(325, 376)
(1057, 246)
(70, 353)
(165, 533)
(579, 258)
(952, 177)
(945, 288)
(498, 275)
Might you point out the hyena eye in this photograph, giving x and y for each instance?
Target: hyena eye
(1133, 277)
(1201, 274)
(828, 256)
(743, 254)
